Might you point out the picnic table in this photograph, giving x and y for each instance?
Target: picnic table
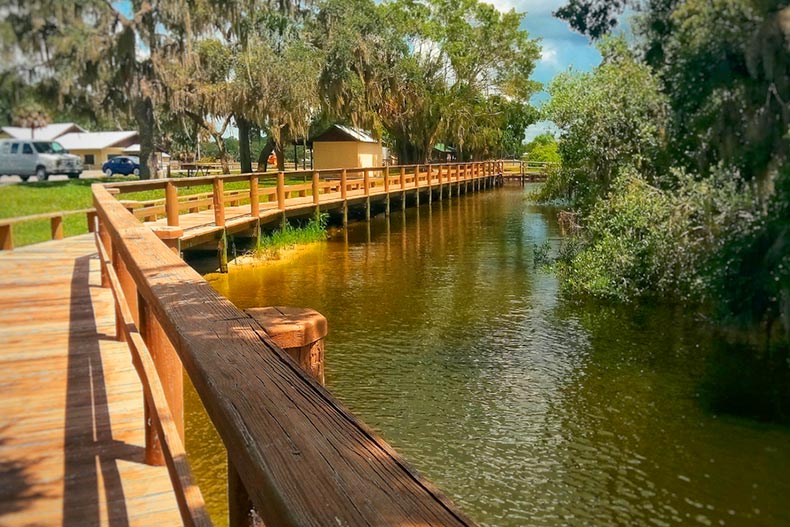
(200, 169)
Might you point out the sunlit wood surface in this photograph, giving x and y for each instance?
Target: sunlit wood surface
(71, 411)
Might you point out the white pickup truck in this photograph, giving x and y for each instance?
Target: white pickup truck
(28, 157)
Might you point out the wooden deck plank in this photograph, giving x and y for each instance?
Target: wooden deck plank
(71, 413)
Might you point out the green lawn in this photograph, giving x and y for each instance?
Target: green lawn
(24, 199)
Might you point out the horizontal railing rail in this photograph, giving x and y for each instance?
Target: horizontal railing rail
(322, 185)
(301, 457)
(55, 219)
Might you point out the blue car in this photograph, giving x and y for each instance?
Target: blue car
(121, 165)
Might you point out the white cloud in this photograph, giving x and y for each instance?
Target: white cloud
(549, 55)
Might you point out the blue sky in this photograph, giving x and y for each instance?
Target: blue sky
(562, 47)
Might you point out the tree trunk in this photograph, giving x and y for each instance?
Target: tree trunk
(244, 144)
(280, 152)
(263, 158)
(223, 153)
(144, 115)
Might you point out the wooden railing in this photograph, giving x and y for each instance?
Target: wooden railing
(294, 452)
(517, 166)
(168, 442)
(264, 188)
(56, 225)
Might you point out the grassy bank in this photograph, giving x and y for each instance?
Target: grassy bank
(270, 245)
(25, 199)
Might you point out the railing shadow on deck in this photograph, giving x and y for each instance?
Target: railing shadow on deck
(88, 429)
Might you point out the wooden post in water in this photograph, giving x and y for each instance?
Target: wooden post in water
(299, 332)
(171, 204)
(222, 251)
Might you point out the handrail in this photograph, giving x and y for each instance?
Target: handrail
(56, 225)
(302, 457)
(406, 176)
(188, 495)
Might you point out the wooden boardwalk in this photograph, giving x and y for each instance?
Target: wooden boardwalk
(71, 412)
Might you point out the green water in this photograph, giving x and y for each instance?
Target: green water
(525, 408)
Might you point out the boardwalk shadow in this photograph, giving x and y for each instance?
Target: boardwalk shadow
(16, 485)
(90, 453)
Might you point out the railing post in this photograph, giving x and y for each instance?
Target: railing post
(107, 243)
(170, 236)
(441, 181)
(316, 190)
(281, 190)
(255, 200)
(218, 198)
(6, 237)
(168, 367)
(129, 289)
(56, 226)
(403, 187)
(386, 172)
(344, 195)
(91, 218)
(366, 183)
(429, 178)
(171, 204)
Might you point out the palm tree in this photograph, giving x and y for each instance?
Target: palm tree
(30, 115)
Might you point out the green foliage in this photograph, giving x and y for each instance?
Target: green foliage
(544, 148)
(270, 245)
(750, 266)
(644, 242)
(428, 72)
(611, 117)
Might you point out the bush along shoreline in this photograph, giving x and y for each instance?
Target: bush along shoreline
(672, 205)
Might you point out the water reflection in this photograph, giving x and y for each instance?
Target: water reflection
(528, 410)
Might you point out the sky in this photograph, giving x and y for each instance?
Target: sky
(562, 48)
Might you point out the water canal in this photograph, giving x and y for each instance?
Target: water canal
(526, 408)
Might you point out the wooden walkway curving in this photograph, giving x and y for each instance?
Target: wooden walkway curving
(71, 413)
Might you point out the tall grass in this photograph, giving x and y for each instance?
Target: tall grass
(288, 236)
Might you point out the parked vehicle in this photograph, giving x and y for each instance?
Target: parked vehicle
(123, 165)
(25, 158)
